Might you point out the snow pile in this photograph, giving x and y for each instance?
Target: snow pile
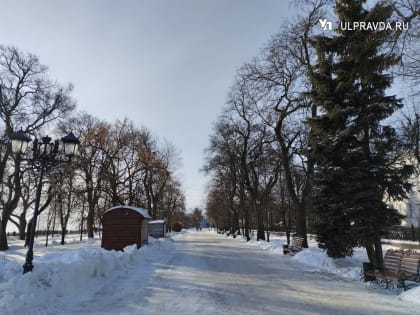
(60, 277)
(317, 259)
(276, 245)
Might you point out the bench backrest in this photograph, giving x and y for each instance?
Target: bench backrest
(410, 263)
(297, 241)
(392, 260)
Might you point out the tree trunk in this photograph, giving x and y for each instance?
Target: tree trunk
(9, 206)
(289, 224)
(22, 226)
(298, 204)
(260, 226)
(370, 250)
(235, 220)
(245, 210)
(301, 223)
(81, 228)
(63, 235)
(378, 251)
(90, 220)
(247, 225)
(374, 253)
(3, 236)
(155, 208)
(28, 233)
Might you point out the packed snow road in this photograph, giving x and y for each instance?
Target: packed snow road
(205, 273)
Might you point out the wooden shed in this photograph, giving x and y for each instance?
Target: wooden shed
(157, 228)
(123, 226)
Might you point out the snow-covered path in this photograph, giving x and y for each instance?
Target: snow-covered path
(209, 274)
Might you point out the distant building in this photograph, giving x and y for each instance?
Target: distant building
(157, 228)
(410, 207)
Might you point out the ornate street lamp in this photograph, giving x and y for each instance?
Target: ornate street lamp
(45, 154)
(71, 145)
(20, 141)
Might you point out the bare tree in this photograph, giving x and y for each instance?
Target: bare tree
(28, 100)
(243, 157)
(405, 41)
(92, 160)
(158, 164)
(278, 80)
(216, 206)
(173, 202)
(28, 187)
(197, 218)
(410, 126)
(223, 163)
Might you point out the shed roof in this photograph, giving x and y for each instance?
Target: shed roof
(157, 221)
(141, 211)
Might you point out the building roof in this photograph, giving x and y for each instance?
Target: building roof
(157, 221)
(143, 212)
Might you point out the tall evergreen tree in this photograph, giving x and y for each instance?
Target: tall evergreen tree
(355, 151)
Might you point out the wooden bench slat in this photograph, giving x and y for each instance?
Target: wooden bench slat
(295, 246)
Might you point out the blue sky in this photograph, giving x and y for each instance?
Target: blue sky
(165, 64)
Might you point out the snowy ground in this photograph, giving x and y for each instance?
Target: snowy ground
(190, 273)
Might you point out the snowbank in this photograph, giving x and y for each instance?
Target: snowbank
(59, 277)
(349, 267)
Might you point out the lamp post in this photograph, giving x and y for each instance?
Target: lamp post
(45, 154)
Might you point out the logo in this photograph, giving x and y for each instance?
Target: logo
(374, 26)
(325, 24)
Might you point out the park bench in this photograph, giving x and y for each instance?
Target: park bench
(409, 270)
(399, 266)
(296, 246)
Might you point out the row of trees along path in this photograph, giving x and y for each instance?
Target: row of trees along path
(306, 140)
(118, 162)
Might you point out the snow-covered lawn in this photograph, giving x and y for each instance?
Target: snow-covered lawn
(183, 273)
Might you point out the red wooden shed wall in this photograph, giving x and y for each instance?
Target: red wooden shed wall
(123, 227)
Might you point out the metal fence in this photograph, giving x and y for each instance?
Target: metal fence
(402, 233)
(398, 233)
